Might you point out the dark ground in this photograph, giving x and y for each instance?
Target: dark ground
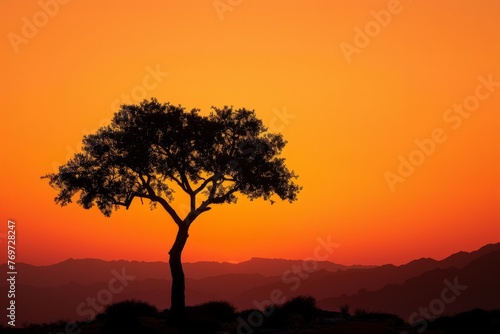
(298, 316)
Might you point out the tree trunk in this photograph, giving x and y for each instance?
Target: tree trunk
(178, 303)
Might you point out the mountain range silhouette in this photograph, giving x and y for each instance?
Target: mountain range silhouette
(61, 291)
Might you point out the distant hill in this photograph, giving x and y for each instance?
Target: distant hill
(265, 267)
(89, 271)
(67, 289)
(476, 284)
(333, 284)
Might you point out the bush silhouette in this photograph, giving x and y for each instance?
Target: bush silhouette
(296, 313)
(360, 313)
(344, 309)
(130, 308)
(303, 306)
(217, 310)
(209, 317)
(124, 317)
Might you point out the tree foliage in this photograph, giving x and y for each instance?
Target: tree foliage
(151, 146)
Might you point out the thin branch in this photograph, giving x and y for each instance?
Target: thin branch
(223, 198)
(198, 211)
(192, 198)
(181, 184)
(214, 189)
(185, 181)
(204, 184)
(154, 197)
(128, 199)
(169, 209)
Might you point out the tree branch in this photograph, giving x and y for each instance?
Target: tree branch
(181, 184)
(198, 211)
(214, 189)
(169, 209)
(204, 184)
(192, 198)
(204, 206)
(223, 198)
(154, 197)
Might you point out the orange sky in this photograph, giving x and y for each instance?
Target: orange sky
(351, 115)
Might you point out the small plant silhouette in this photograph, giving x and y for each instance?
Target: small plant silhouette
(125, 317)
(344, 309)
(295, 313)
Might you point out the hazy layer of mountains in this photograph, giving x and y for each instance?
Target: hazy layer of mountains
(78, 289)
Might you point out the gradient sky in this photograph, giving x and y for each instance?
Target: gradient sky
(351, 116)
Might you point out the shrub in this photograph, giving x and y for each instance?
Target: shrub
(130, 308)
(208, 317)
(296, 313)
(221, 311)
(360, 313)
(124, 317)
(344, 309)
(303, 305)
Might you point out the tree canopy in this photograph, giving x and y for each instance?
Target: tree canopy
(151, 146)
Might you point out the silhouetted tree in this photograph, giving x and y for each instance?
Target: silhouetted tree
(151, 147)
